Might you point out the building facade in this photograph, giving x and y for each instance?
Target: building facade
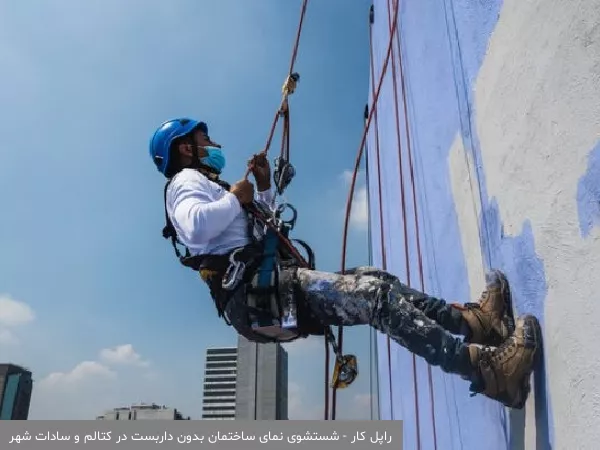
(220, 374)
(245, 383)
(143, 412)
(262, 381)
(15, 392)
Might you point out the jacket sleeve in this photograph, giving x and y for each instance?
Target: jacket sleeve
(199, 219)
(265, 197)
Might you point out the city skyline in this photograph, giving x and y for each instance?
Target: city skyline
(143, 411)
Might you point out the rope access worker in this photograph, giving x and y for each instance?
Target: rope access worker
(210, 219)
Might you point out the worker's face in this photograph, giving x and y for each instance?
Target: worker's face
(201, 140)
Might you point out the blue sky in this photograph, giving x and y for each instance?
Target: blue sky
(92, 298)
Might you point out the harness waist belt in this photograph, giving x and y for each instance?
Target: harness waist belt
(218, 264)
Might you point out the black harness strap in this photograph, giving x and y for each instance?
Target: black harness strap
(169, 232)
(212, 268)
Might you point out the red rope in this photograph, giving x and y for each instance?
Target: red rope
(373, 113)
(283, 109)
(285, 140)
(292, 64)
(380, 196)
(377, 152)
(362, 146)
(326, 413)
(416, 217)
(404, 222)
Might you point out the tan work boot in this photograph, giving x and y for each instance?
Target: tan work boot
(490, 320)
(503, 373)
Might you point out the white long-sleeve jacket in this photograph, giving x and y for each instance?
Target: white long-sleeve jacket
(207, 218)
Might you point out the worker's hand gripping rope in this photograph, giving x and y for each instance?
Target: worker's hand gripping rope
(283, 169)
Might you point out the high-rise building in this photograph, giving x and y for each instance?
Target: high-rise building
(220, 374)
(15, 392)
(245, 383)
(262, 381)
(143, 412)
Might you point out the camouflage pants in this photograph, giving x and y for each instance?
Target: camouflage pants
(369, 296)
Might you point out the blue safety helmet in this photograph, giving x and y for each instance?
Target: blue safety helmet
(160, 144)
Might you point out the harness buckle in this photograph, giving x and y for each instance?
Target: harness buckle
(234, 272)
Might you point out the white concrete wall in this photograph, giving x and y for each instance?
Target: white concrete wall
(537, 102)
(504, 118)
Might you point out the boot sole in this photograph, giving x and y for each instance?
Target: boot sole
(494, 277)
(533, 338)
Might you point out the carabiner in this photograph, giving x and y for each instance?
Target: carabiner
(234, 272)
(283, 174)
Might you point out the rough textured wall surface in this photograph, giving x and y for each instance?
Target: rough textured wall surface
(502, 109)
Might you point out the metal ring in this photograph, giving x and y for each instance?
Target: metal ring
(281, 208)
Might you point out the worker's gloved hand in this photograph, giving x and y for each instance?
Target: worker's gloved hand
(260, 168)
(244, 191)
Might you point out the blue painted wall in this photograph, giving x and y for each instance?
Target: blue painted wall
(588, 194)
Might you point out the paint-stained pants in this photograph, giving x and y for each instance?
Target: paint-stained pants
(369, 296)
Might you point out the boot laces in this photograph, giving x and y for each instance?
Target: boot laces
(481, 302)
(506, 348)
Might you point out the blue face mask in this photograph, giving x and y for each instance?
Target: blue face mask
(214, 159)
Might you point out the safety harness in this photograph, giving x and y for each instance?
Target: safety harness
(255, 269)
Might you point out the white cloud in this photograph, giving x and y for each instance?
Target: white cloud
(362, 401)
(122, 354)
(92, 387)
(84, 372)
(14, 312)
(7, 338)
(82, 393)
(359, 214)
(301, 407)
(298, 408)
(87, 371)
